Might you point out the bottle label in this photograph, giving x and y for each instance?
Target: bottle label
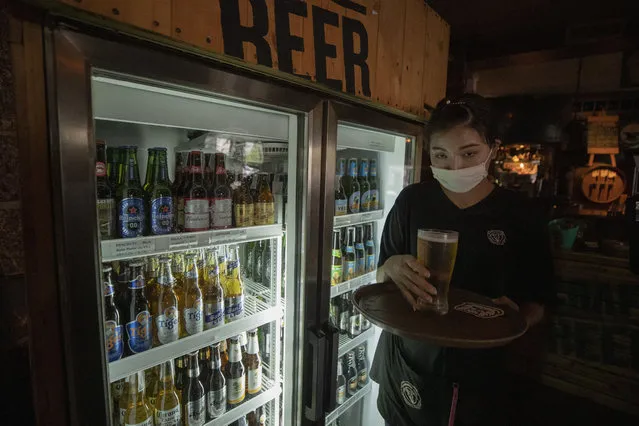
(366, 201)
(137, 282)
(233, 307)
(196, 214)
(336, 274)
(373, 172)
(113, 337)
(170, 417)
(341, 394)
(131, 217)
(341, 207)
(193, 318)
(147, 422)
(162, 215)
(213, 314)
(360, 258)
(353, 202)
(244, 215)
(195, 414)
(254, 380)
(363, 377)
(106, 217)
(349, 270)
(167, 325)
(355, 324)
(352, 168)
(374, 199)
(352, 384)
(344, 318)
(264, 213)
(108, 289)
(370, 263)
(221, 213)
(138, 332)
(236, 390)
(100, 169)
(217, 402)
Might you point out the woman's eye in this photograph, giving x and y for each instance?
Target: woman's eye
(440, 156)
(469, 154)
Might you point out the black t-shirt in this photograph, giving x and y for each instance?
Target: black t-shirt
(503, 251)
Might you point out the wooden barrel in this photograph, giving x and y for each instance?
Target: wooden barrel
(602, 183)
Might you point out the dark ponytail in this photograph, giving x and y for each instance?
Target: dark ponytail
(469, 110)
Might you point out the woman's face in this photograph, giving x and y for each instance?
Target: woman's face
(458, 148)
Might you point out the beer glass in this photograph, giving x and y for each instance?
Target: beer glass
(437, 250)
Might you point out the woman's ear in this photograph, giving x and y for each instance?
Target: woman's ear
(495, 147)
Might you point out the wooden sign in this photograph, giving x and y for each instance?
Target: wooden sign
(393, 52)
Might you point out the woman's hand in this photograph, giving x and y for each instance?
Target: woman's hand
(411, 278)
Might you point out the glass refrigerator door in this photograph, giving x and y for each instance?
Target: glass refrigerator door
(196, 250)
(371, 168)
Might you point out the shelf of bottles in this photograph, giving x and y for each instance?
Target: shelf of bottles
(347, 344)
(270, 392)
(341, 409)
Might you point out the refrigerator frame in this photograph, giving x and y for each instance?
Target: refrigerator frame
(70, 56)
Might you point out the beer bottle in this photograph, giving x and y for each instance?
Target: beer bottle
(264, 204)
(216, 396)
(362, 366)
(235, 379)
(344, 314)
(150, 168)
(139, 328)
(112, 323)
(213, 295)
(221, 197)
(341, 384)
(234, 291)
(253, 365)
(224, 355)
(244, 208)
(257, 262)
(138, 412)
(336, 261)
(191, 304)
(266, 264)
(179, 190)
(130, 197)
(349, 262)
(204, 359)
(257, 417)
(193, 397)
(364, 186)
(180, 374)
(372, 181)
(124, 401)
(105, 194)
(160, 196)
(243, 342)
(355, 320)
(164, 307)
(178, 268)
(360, 253)
(117, 390)
(341, 167)
(352, 378)
(167, 404)
(371, 261)
(351, 186)
(151, 379)
(341, 202)
(113, 166)
(196, 198)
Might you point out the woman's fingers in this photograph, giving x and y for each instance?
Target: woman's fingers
(407, 295)
(419, 286)
(417, 267)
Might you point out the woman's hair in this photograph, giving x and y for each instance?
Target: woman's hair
(469, 110)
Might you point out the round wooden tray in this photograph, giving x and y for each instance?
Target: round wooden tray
(473, 321)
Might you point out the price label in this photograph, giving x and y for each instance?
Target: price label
(182, 240)
(225, 237)
(367, 217)
(132, 247)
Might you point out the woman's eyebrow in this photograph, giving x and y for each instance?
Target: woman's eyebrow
(470, 145)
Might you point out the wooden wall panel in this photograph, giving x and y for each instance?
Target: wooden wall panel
(390, 42)
(413, 56)
(195, 20)
(407, 45)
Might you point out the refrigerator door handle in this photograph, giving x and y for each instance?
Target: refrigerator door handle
(332, 338)
(314, 389)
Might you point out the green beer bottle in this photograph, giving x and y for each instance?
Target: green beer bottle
(130, 197)
(160, 196)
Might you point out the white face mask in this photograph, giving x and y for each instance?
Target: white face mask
(462, 180)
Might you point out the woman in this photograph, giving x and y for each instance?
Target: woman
(503, 253)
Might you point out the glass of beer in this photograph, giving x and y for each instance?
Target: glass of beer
(437, 250)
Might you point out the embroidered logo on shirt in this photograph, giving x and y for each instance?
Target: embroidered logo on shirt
(411, 395)
(479, 310)
(497, 237)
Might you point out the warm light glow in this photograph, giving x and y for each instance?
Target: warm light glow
(521, 165)
(515, 158)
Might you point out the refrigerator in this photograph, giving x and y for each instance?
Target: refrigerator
(125, 92)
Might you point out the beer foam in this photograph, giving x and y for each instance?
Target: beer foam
(437, 236)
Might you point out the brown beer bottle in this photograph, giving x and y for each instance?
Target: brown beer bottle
(193, 396)
(236, 378)
(196, 197)
(264, 204)
(179, 189)
(244, 210)
(216, 396)
(179, 376)
(221, 197)
(253, 365)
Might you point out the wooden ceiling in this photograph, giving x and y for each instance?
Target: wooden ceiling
(484, 29)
